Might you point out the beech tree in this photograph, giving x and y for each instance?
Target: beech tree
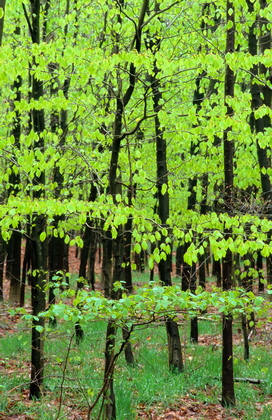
(228, 397)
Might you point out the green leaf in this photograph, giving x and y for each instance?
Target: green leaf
(164, 189)
(151, 263)
(42, 236)
(39, 328)
(137, 248)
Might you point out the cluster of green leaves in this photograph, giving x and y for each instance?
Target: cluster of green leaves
(151, 303)
(90, 46)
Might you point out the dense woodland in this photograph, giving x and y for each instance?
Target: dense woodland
(140, 132)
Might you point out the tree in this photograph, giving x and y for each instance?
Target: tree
(2, 242)
(228, 397)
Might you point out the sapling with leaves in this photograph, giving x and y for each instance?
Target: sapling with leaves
(149, 305)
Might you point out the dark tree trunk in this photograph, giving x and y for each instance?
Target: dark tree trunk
(2, 6)
(109, 395)
(55, 243)
(107, 263)
(228, 396)
(217, 271)
(14, 247)
(26, 268)
(38, 257)
(245, 335)
(127, 272)
(179, 257)
(165, 266)
(259, 267)
(128, 348)
(174, 347)
(38, 305)
(14, 267)
(194, 330)
(2, 265)
(128, 242)
(117, 245)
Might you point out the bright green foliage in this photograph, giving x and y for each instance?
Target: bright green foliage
(92, 45)
(152, 303)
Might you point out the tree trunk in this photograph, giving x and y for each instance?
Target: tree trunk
(228, 396)
(38, 257)
(174, 347)
(109, 404)
(89, 245)
(2, 265)
(38, 305)
(128, 348)
(117, 244)
(245, 335)
(14, 246)
(3, 7)
(14, 258)
(165, 266)
(259, 267)
(26, 268)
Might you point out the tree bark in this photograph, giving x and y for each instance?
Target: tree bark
(14, 246)
(38, 305)
(117, 245)
(14, 257)
(165, 266)
(39, 252)
(228, 395)
(3, 7)
(2, 264)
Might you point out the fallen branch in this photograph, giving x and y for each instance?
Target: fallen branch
(249, 380)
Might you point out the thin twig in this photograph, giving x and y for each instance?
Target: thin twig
(63, 376)
(109, 374)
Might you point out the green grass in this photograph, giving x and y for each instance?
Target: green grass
(148, 383)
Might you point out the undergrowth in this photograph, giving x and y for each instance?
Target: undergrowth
(74, 376)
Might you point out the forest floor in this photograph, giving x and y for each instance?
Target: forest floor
(185, 407)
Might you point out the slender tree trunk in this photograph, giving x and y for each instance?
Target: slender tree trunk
(118, 243)
(179, 253)
(3, 7)
(38, 305)
(2, 265)
(245, 335)
(107, 263)
(259, 267)
(127, 272)
(15, 267)
(109, 395)
(203, 259)
(89, 243)
(39, 254)
(165, 266)
(14, 246)
(26, 268)
(228, 396)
